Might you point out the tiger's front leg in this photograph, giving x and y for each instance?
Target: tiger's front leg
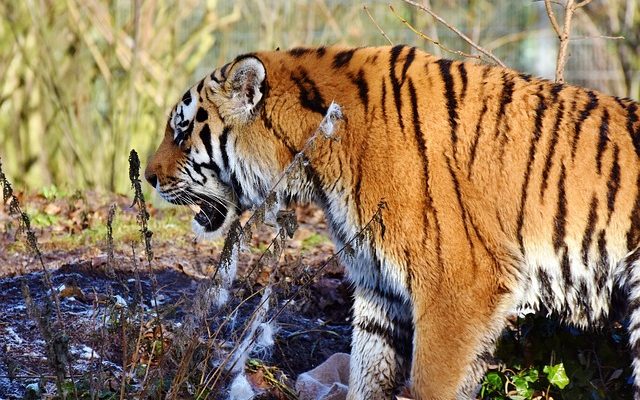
(381, 345)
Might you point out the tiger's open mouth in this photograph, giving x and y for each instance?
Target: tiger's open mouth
(209, 214)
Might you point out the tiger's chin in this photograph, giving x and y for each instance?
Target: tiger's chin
(212, 219)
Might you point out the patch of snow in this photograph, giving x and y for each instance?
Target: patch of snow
(120, 302)
(13, 335)
(85, 352)
(241, 388)
(158, 300)
(222, 296)
(265, 337)
(112, 365)
(241, 354)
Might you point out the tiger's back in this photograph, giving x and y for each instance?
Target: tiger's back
(496, 182)
(503, 192)
(484, 154)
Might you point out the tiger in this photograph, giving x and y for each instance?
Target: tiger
(502, 192)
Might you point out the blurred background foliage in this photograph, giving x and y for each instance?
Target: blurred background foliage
(83, 81)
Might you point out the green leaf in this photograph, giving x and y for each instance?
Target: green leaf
(493, 381)
(530, 375)
(522, 387)
(556, 375)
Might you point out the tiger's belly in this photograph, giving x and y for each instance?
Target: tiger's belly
(575, 285)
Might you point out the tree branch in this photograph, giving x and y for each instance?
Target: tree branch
(457, 32)
(564, 33)
(366, 9)
(425, 37)
(552, 18)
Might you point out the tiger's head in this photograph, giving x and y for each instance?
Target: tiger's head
(216, 156)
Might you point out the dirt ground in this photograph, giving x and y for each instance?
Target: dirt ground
(313, 307)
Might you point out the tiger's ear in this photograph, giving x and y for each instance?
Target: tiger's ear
(243, 89)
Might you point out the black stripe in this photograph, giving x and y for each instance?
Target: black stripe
(400, 338)
(583, 300)
(186, 170)
(584, 114)
(561, 212)
(476, 138)
(378, 289)
(613, 185)
(278, 135)
(525, 77)
(556, 89)
(452, 103)
(214, 77)
(213, 166)
(342, 58)
(205, 136)
(235, 185)
(201, 115)
(422, 150)
(505, 99)
(634, 230)
(198, 170)
(310, 97)
(357, 189)
(320, 51)
(411, 56)
(462, 69)
(602, 140)
(537, 132)
(408, 269)
(223, 147)
(483, 241)
(186, 134)
(358, 174)
(587, 237)
(299, 52)
(363, 89)
(186, 98)
(604, 256)
(383, 101)
(550, 153)
(566, 267)
(632, 118)
(546, 290)
(463, 211)
(200, 86)
(395, 83)
(225, 68)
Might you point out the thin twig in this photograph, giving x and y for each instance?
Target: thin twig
(564, 32)
(457, 32)
(598, 37)
(366, 9)
(582, 3)
(425, 37)
(552, 18)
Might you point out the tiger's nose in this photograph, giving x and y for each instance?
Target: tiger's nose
(151, 178)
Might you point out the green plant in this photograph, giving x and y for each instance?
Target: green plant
(523, 384)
